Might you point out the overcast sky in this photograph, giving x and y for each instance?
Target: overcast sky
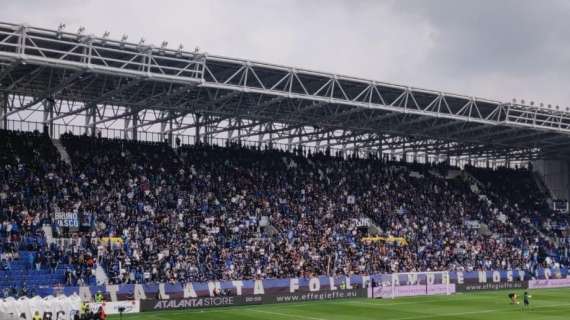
(497, 49)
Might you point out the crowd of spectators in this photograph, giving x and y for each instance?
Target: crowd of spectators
(31, 177)
(150, 213)
(205, 212)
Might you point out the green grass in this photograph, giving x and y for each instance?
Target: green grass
(545, 304)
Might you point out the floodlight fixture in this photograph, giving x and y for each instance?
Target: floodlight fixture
(180, 48)
(163, 46)
(123, 40)
(105, 36)
(60, 29)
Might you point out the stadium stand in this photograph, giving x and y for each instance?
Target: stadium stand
(515, 193)
(31, 176)
(150, 213)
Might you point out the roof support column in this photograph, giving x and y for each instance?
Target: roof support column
(260, 137)
(135, 124)
(380, 143)
(3, 110)
(231, 126)
(300, 142)
(329, 144)
(126, 126)
(270, 135)
(167, 136)
(239, 131)
(163, 125)
(355, 149)
(197, 129)
(90, 119)
(170, 135)
(48, 116)
(207, 124)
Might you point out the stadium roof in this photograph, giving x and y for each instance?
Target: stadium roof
(76, 80)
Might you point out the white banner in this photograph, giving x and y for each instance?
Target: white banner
(410, 291)
(472, 224)
(67, 219)
(549, 283)
(60, 308)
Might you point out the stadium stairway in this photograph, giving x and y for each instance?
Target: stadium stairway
(544, 236)
(101, 276)
(451, 174)
(62, 152)
(48, 233)
(541, 185)
(471, 178)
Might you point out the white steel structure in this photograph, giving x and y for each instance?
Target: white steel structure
(76, 82)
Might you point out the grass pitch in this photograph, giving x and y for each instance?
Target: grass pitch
(545, 304)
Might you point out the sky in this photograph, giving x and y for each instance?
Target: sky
(497, 49)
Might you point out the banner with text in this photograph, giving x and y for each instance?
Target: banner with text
(210, 302)
(464, 281)
(66, 219)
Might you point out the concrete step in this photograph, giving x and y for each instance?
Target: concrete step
(101, 275)
(62, 152)
(48, 233)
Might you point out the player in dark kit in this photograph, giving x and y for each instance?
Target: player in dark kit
(526, 300)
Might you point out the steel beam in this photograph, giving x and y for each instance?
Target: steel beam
(219, 100)
(100, 99)
(49, 93)
(4, 72)
(275, 102)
